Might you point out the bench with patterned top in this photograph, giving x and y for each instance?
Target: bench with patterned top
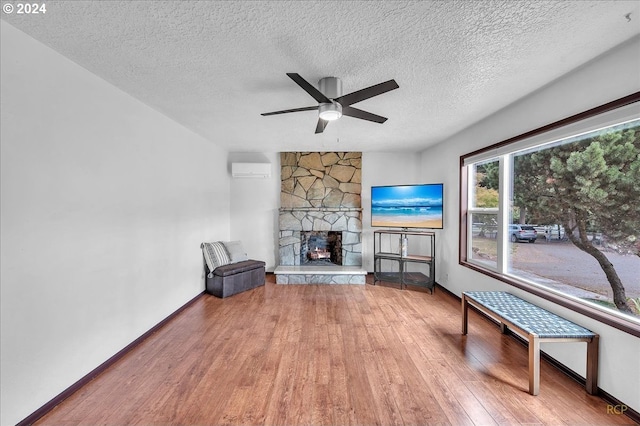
(539, 325)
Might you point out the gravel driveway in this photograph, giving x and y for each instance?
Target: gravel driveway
(564, 262)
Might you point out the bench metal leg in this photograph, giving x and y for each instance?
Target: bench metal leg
(534, 364)
(592, 365)
(465, 313)
(503, 328)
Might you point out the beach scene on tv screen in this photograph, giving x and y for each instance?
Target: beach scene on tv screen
(407, 206)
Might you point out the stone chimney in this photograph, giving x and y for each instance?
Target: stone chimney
(320, 191)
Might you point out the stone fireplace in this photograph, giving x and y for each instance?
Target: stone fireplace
(320, 197)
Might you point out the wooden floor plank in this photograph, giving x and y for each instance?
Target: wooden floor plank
(328, 355)
(441, 406)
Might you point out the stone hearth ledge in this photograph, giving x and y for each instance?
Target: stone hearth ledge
(320, 275)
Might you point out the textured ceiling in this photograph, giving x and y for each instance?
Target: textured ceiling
(214, 66)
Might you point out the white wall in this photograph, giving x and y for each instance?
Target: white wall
(607, 78)
(104, 204)
(254, 208)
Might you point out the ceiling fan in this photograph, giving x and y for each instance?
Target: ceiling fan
(332, 104)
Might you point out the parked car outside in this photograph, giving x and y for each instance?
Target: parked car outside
(550, 232)
(522, 233)
(541, 231)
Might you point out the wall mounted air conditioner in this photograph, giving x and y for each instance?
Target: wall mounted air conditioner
(251, 170)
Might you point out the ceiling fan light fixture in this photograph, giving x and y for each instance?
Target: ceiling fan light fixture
(331, 100)
(330, 111)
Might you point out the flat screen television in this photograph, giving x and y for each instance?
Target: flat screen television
(407, 206)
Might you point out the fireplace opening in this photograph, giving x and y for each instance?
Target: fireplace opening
(319, 248)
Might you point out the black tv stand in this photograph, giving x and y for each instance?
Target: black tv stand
(404, 257)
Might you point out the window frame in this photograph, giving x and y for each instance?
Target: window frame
(609, 318)
(488, 211)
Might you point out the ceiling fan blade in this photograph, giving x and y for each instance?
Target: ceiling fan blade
(369, 92)
(317, 95)
(321, 125)
(364, 115)
(285, 111)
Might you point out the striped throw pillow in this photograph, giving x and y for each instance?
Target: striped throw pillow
(215, 254)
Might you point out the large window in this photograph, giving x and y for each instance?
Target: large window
(557, 212)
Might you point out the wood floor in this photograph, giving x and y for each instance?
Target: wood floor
(328, 355)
